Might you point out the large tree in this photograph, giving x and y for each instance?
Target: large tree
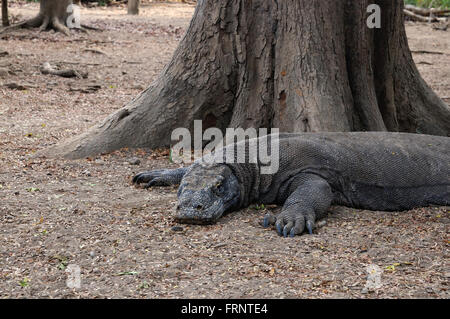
(52, 14)
(299, 65)
(133, 6)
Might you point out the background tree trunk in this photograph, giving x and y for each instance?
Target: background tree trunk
(52, 14)
(5, 18)
(298, 65)
(133, 6)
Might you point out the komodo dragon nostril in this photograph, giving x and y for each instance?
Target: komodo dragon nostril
(199, 207)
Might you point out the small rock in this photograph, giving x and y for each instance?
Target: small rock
(86, 172)
(177, 228)
(134, 161)
(138, 87)
(15, 86)
(321, 223)
(4, 72)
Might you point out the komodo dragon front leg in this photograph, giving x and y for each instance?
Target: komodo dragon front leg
(309, 199)
(160, 177)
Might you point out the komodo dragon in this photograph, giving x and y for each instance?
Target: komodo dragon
(367, 170)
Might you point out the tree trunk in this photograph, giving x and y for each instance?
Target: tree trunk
(298, 65)
(133, 6)
(5, 18)
(52, 14)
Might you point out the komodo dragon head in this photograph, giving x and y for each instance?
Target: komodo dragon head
(205, 193)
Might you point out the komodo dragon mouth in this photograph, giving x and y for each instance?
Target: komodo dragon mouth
(203, 216)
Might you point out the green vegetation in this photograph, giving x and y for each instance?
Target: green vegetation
(444, 4)
(24, 282)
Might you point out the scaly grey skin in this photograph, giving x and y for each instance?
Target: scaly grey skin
(205, 192)
(375, 171)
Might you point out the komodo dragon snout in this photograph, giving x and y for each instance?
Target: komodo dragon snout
(206, 192)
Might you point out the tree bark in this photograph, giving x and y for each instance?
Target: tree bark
(5, 18)
(52, 14)
(133, 6)
(299, 65)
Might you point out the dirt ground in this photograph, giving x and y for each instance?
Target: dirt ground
(57, 214)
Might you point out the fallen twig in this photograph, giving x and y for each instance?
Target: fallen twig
(77, 63)
(426, 52)
(17, 86)
(132, 62)
(70, 73)
(87, 89)
(420, 18)
(425, 11)
(95, 51)
(91, 27)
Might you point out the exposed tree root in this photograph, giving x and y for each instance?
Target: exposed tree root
(43, 22)
(60, 27)
(32, 23)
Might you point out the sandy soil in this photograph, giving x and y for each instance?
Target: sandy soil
(56, 214)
